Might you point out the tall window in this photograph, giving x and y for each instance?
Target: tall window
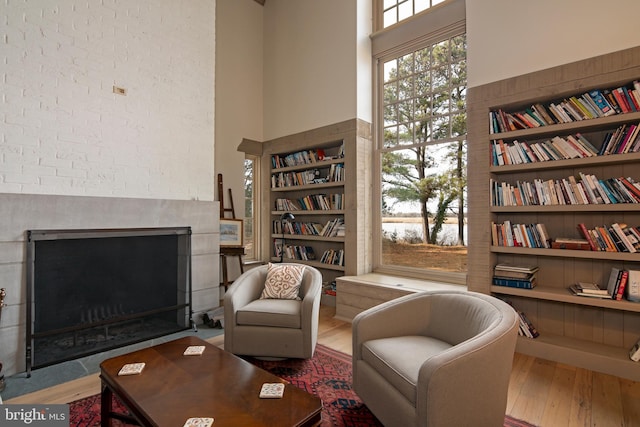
(250, 195)
(422, 153)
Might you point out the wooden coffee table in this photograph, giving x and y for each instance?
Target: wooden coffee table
(173, 387)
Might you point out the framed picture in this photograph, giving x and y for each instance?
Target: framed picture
(231, 232)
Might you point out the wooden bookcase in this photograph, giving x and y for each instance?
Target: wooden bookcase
(347, 147)
(585, 332)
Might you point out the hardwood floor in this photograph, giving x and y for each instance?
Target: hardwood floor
(541, 392)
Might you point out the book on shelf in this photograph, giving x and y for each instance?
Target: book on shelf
(634, 353)
(613, 281)
(515, 283)
(622, 284)
(506, 266)
(633, 286)
(526, 328)
(591, 288)
(571, 243)
(277, 247)
(517, 275)
(585, 233)
(617, 284)
(576, 290)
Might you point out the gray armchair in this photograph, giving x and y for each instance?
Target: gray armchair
(278, 328)
(440, 358)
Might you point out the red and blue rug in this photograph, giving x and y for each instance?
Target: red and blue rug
(327, 375)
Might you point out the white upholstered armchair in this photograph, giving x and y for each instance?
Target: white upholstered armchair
(440, 358)
(280, 324)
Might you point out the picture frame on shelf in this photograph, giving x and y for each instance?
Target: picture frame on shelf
(231, 232)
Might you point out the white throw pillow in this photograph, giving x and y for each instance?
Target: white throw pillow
(283, 281)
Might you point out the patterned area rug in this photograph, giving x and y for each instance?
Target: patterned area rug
(327, 375)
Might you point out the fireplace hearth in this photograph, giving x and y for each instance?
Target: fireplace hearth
(93, 290)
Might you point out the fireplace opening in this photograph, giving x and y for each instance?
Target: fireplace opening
(89, 291)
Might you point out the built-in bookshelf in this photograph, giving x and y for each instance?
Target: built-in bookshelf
(309, 184)
(312, 175)
(562, 151)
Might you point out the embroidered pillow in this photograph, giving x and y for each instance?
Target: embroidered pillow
(283, 281)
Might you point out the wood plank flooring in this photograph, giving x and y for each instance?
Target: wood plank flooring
(541, 392)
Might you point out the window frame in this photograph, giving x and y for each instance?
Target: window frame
(255, 222)
(444, 20)
(380, 11)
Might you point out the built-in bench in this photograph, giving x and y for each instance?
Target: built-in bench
(355, 294)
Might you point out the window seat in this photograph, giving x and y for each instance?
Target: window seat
(355, 294)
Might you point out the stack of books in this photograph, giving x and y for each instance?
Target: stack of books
(515, 276)
(586, 289)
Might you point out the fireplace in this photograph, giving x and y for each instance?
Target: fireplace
(93, 290)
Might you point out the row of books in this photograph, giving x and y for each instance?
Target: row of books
(333, 257)
(304, 253)
(287, 205)
(622, 284)
(333, 228)
(304, 157)
(312, 202)
(556, 148)
(588, 189)
(613, 238)
(592, 104)
(623, 140)
(335, 173)
(520, 235)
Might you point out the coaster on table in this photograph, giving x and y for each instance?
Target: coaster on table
(199, 422)
(131, 369)
(194, 350)
(272, 390)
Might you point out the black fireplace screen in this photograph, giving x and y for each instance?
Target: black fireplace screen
(93, 290)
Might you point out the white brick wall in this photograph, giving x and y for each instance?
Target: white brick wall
(63, 131)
